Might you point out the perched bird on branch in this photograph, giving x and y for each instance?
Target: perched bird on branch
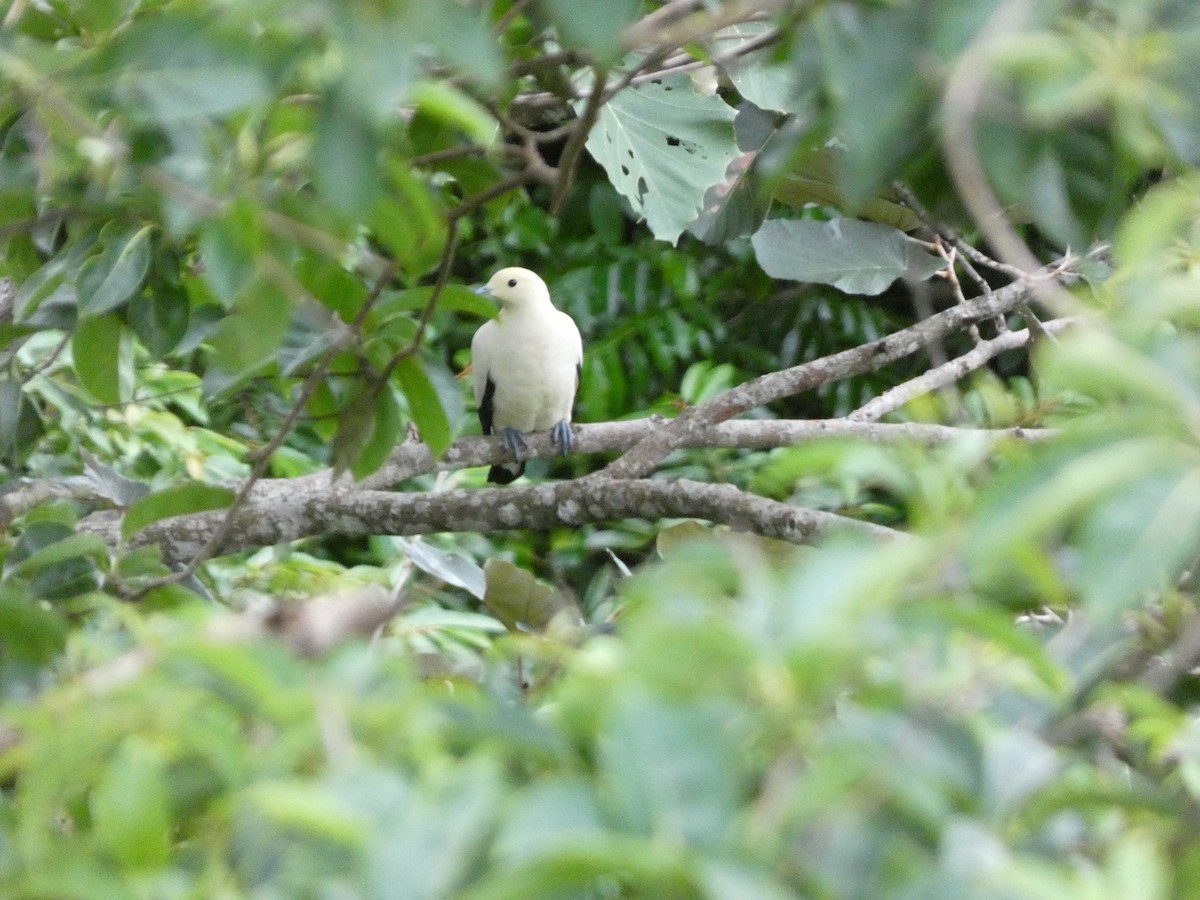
(526, 365)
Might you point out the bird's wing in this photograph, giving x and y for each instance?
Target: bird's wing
(481, 377)
(574, 342)
(481, 346)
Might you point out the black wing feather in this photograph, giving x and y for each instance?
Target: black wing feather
(486, 411)
(501, 474)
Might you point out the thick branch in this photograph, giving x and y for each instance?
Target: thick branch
(343, 510)
(413, 458)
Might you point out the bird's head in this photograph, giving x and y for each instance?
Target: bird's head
(515, 287)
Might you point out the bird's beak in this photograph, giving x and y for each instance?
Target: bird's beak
(483, 291)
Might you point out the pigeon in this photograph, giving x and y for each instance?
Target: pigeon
(526, 365)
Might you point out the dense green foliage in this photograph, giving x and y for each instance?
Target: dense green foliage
(238, 235)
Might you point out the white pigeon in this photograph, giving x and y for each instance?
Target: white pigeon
(526, 365)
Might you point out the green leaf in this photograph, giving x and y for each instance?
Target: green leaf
(330, 283)
(49, 294)
(307, 809)
(344, 157)
(408, 222)
(597, 26)
(31, 631)
(766, 84)
(854, 256)
(453, 298)
(548, 816)
(130, 806)
(62, 547)
(663, 145)
(520, 601)
(181, 500)
(668, 769)
(814, 179)
(250, 337)
(385, 431)
(20, 425)
(424, 404)
(441, 100)
(112, 277)
(159, 318)
(99, 348)
(228, 249)
(873, 72)
(430, 840)
(355, 425)
(175, 68)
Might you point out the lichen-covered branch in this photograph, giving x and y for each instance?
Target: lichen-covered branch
(869, 357)
(264, 521)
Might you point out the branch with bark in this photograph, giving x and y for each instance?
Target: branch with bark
(279, 510)
(295, 514)
(644, 456)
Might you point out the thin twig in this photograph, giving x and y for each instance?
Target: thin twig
(870, 357)
(46, 363)
(575, 143)
(439, 285)
(951, 372)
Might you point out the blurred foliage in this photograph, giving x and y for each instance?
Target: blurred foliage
(203, 205)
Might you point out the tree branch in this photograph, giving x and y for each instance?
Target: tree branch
(643, 457)
(299, 513)
(950, 372)
(413, 458)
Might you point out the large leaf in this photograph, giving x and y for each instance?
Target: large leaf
(871, 69)
(663, 145)
(766, 84)
(181, 500)
(110, 483)
(409, 223)
(854, 256)
(814, 179)
(131, 806)
(344, 157)
(99, 348)
(385, 430)
(57, 563)
(424, 404)
(450, 567)
(20, 424)
(597, 26)
(32, 632)
(112, 277)
(249, 338)
(175, 69)
(669, 767)
(520, 601)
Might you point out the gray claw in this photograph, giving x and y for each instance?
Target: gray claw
(515, 442)
(562, 437)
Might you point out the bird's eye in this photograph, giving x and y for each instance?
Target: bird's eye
(512, 282)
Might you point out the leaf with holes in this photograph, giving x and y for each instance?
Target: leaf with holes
(854, 256)
(663, 145)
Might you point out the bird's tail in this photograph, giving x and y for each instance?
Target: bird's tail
(506, 472)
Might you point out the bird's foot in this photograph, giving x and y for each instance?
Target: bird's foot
(515, 442)
(562, 437)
